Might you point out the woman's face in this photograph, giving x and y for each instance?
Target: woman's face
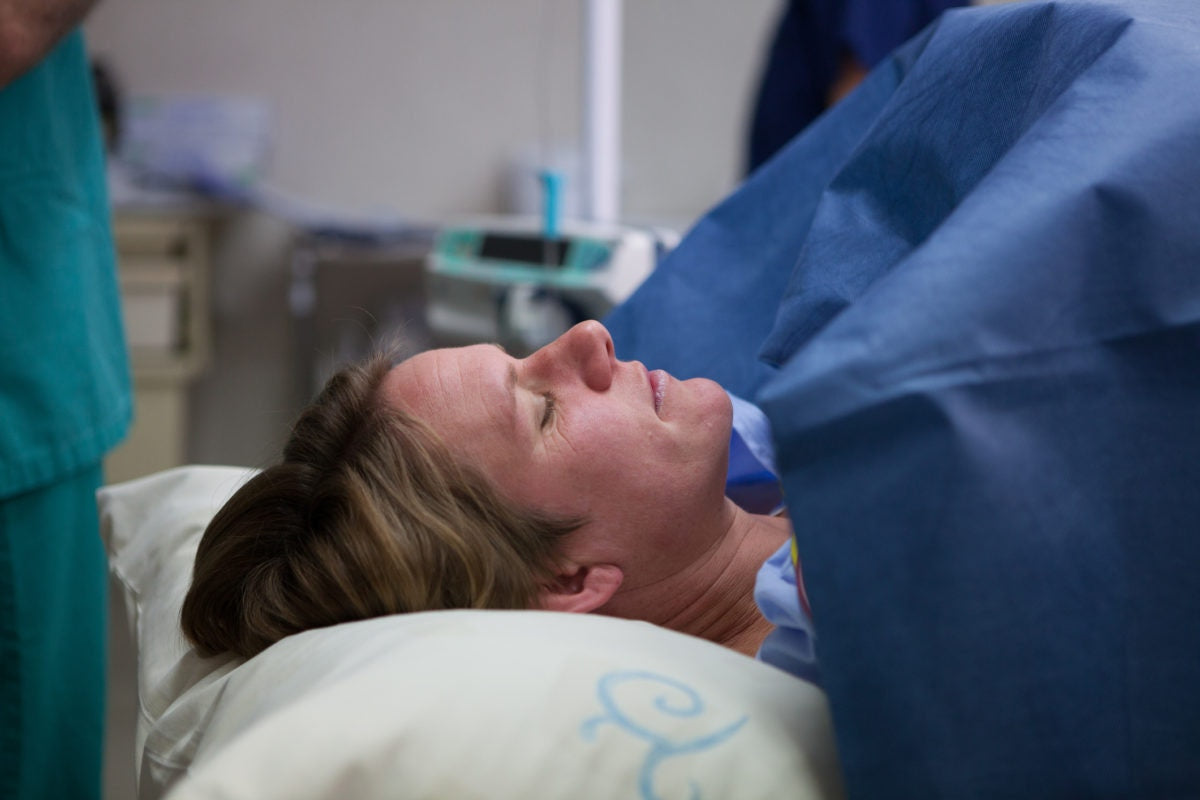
(571, 430)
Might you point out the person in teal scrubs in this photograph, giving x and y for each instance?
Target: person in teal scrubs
(64, 401)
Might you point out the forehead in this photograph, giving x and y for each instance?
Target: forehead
(461, 390)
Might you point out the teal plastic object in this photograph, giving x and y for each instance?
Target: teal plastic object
(551, 201)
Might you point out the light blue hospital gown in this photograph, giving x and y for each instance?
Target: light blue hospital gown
(752, 482)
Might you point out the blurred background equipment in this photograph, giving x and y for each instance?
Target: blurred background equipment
(505, 280)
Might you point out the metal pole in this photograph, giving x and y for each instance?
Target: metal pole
(602, 110)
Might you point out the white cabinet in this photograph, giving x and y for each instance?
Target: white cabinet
(163, 263)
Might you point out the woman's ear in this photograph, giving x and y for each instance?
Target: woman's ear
(581, 589)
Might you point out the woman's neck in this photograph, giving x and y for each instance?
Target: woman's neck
(714, 597)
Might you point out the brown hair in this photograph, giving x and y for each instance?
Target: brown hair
(368, 514)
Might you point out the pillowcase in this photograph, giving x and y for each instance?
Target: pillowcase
(502, 704)
(151, 528)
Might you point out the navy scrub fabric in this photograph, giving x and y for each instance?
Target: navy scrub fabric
(805, 56)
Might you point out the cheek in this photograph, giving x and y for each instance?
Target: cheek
(607, 464)
(594, 472)
(497, 462)
(659, 473)
(547, 485)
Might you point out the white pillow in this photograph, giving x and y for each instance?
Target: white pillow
(494, 704)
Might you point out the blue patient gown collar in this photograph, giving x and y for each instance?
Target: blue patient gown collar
(753, 483)
(752, 480)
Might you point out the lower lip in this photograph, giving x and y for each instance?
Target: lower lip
(658, 382)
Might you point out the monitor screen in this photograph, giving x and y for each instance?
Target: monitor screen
(537, 251)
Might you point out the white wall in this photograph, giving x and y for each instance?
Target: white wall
(419, 107)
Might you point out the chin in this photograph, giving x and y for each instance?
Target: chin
(712, 412)
(715, 402)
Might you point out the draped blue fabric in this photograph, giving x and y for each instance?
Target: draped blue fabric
(968, 300)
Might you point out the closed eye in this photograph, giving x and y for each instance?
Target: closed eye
(548, 413)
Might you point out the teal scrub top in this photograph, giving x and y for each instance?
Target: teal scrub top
(64, 372)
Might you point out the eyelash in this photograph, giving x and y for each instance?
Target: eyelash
(548, 414)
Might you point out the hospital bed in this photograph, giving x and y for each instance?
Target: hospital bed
(968, 299)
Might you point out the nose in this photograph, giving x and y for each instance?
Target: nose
(585, 350)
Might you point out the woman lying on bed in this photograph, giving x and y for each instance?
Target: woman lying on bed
(467, 478)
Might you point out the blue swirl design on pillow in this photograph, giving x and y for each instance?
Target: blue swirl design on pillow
(681, 701)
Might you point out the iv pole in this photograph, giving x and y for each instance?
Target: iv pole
(602, 111)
